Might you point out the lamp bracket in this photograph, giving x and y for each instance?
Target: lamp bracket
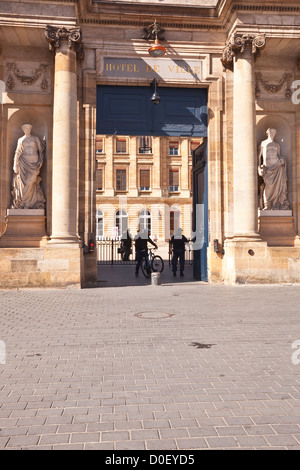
(154, 31)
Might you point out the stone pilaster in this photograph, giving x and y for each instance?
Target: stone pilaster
(239, 55)
(66, 44)
(3, 163)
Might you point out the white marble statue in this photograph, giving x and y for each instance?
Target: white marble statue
(28, 160)
(272, 169)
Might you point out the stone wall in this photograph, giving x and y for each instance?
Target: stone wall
(41, 267)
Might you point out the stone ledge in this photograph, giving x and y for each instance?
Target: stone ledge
(25, 212)
(275, 213)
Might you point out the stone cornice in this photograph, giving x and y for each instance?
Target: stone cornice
(269, 8)
(138, 15)
(176, 16)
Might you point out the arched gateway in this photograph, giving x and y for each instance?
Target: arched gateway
(109, 86)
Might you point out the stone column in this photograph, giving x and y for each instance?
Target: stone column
(239, 53)
(66, 43)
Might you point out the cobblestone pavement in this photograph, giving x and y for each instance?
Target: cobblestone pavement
(150, 367)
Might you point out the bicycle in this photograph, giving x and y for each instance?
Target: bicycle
(152, 262)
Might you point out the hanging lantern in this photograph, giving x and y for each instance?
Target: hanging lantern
(153, 32)
(157, 50)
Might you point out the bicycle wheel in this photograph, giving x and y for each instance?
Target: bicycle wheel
(157, 264)
(145, 268)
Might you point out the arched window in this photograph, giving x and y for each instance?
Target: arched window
(145, 220)
(174, 221)
(99, 225)
(121, 221)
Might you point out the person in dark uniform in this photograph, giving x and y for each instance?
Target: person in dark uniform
(178, 242)
(126, 243)
(141, 247)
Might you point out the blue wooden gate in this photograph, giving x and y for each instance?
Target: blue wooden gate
(200, 211)
(128, 111)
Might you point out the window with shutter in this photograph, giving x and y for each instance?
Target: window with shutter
(173, 148)
(193, 145)
(145, 144)
(174, 222)
(99, 144)
(99, 179)
(121, 145)
(121, 221)
(99, 225)
(144, 180)
(121, 180)
(174, 180)
(145, 220)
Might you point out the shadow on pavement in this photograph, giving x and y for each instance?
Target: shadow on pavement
(124, 275)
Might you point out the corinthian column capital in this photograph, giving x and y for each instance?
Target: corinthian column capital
(55, 36)
(238, 43)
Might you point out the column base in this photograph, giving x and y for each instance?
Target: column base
(258, 263)
(65, 240)
(244, 260)
(45, 267)
(246, 237)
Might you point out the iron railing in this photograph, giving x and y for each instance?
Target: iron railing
(108, 252)
(188, 258)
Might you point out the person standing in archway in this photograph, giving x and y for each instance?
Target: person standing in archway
(178, 242)
(141, 247)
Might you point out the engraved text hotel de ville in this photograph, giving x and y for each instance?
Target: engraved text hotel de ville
(149, 68)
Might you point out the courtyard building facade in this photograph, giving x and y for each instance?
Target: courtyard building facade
(144, 181)
(150, 113)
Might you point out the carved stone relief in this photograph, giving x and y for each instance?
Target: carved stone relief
(27, 77)
(272, 87)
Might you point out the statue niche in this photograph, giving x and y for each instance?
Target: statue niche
(272, 170)
(28, 160)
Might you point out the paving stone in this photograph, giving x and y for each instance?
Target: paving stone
(23, 441)
(221, 442)
(85, 437)
(259, 430)
(55, 439)
(202, 432)
(286, 428)
(68, 447)
(114, 436)
(283, 440)
(131, 445)
(192, 443)
(251, 442)
(163, 444)
(230, 430)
